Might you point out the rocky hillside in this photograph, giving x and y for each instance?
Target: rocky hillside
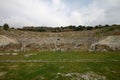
(16, 40)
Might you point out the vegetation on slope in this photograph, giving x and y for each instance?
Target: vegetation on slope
(69, 28)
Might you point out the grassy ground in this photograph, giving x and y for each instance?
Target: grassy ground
(68, 66)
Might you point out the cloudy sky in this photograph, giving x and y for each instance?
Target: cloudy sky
(19, 13)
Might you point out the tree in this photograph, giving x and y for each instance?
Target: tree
(106, 25)
(89, 28)
(79, 28)
(6, 26)
(41, 30)
(71, 27)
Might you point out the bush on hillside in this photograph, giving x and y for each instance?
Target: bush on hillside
(6, 26)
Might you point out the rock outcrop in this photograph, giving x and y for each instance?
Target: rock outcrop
(111, 43)
(5, 40)
(8, 44)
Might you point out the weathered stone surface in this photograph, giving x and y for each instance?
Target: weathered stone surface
(8, 44)
(111, 43)
(5, 40)
(48, 41)
(32, 46)
(45, 42)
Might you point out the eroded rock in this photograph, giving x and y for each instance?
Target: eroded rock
(111, 43)
(9, 44)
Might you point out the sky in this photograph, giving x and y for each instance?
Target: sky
(55, 13)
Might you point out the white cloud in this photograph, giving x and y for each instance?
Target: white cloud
(16, 21)
(23, 12)
(99, 12)
(20, 13)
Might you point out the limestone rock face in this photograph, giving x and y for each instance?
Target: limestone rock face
(111, 43)
(8, 44)
(5, 40)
